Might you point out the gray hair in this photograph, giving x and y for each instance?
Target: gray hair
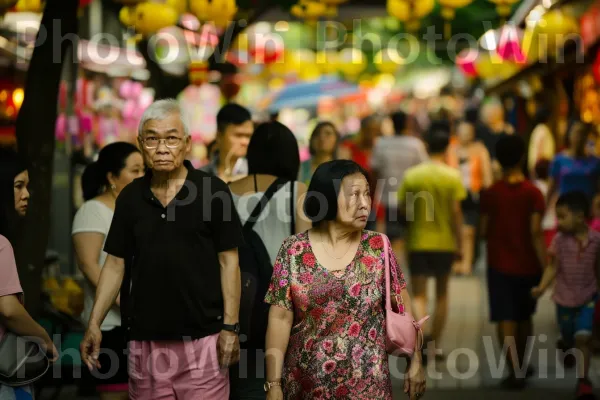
(162, 109)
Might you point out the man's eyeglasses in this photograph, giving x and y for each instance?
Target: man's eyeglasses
(152, 142)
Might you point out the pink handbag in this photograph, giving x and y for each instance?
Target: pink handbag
(401, 328)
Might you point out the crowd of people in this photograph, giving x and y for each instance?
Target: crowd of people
(259, 276)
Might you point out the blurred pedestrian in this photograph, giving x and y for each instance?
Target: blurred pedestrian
(392, 157)
(117, 166)
(326, 333)
(541, 143)
(430, 197)
(542, 182)
(323, 145)
(472, 160)
(511, 222)
(172, 251)
(14, 200)
(273, 159)
(575, 256)
(234, 130)
(496, 127)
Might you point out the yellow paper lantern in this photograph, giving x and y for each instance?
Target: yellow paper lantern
(504, 7)
(352, 62)
(449, 8)
(409, 10)
(327, 61)
(149, 18)
(34, 6)
(488, 65)
(286, 65)
(388, 61)
(309, 73)
(530, 45)
(218, 12)
(312, 10)
(553, 30)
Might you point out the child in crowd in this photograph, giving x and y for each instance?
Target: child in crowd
(574, 265)
(542, 173)
(511, 222)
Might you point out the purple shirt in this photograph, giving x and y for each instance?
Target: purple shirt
(9, 278)
(576, 282)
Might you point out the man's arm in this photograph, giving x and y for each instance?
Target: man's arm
(231, 285)
(537, 236)
(457, 223)
(108, 288)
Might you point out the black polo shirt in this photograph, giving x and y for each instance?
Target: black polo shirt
(171, 256)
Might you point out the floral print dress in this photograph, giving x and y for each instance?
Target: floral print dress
(337, 342)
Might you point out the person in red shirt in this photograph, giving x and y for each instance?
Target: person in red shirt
(511, 222)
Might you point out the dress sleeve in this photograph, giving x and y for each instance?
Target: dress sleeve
(398, 281)
(280, 290)
(9, 278)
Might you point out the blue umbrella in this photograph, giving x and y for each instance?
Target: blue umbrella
(306, 95)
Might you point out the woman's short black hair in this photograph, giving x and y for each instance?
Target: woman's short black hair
(315, 134)
(273, 150)
(11, 165)
(321, 203)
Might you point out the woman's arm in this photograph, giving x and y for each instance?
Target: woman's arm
(88, 246)
(302, 222)
(486, 165)
(278, 335)
(17, 320)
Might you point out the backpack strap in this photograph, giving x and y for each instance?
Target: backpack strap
(273, 188)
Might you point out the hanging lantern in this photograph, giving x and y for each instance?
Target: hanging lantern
(553, 30)
(327, 61)
(530, 45)
(596, 69)
(309, 73)
(218, 12)
(198, 72)
(388, 61)
(488, 65)
(352, 62)
(509, 44)
(33, 6)
(449, 8)
(312, 10)
(148, 18)
(465, 61)
(410, 11)
(504, 8)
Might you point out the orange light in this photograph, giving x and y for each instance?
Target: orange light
(10, 111)
(17, 97)
(3, 95)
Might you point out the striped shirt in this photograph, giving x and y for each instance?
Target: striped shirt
(576, 280)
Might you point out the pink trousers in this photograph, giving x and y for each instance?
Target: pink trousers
(177, 370)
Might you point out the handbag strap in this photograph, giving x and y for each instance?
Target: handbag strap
(388, 298)
(264, 200)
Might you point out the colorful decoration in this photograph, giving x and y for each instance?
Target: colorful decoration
(449, 8)
(198, 72)
(465, 61)
(352, 62)
(504, 8)
(509, 46)
(327, 61)
(266, 49)
(596, 69)
(312, 10)
(34, 6)
(218, 12)
(553, 30)
(148, 17)
(410, 11)
(388, 61)
(488, 65)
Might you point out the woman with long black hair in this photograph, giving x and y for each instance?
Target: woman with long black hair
(14, 199)
(118, 165)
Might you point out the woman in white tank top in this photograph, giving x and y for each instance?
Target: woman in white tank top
(272, 154)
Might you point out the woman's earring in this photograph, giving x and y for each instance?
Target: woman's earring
(113, 187)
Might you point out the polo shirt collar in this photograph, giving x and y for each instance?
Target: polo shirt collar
(148, 195)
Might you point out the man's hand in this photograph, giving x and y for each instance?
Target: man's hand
(90, 347)
(228, 349)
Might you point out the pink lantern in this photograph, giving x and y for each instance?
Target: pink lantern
(125, 89)
(129, 109)
(136, 89)
(509, 46)
(465, 60)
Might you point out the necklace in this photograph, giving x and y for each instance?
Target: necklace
(329, 254)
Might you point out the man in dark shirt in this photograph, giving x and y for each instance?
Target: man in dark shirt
(172, 251)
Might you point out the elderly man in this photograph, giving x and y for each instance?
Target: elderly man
(172, 251)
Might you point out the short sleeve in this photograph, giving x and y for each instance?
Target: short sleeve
(9, 277)
(403, 189)
(89, 219)
(223, 218)
(120, 228)
(398, 281)
(280, 288)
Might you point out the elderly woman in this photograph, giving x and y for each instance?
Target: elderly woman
(326, 335)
